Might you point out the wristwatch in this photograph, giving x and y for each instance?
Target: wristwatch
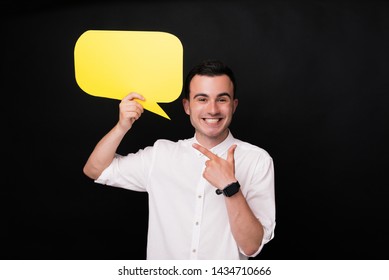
(230, 190)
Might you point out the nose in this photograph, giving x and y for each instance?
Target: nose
(213, 108)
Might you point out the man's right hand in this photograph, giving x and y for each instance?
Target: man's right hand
(130, 110)
(104, 151)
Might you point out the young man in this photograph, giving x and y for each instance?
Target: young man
(210, 196)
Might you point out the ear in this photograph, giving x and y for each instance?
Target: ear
(235, 105)
(185, 103)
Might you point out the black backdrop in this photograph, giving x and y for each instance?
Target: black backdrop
(313, 90)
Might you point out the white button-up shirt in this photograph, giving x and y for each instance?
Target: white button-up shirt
(187, 219)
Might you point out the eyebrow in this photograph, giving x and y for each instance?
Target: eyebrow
(206, 95)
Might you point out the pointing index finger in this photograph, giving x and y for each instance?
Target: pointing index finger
(204, 151)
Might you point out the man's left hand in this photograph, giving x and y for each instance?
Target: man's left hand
(218, 171)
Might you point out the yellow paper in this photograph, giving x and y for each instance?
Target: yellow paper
(112, 64)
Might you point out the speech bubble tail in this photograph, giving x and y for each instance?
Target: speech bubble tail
(155, 108)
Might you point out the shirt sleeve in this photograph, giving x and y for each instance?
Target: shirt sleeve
(261, 199)
(129, 172)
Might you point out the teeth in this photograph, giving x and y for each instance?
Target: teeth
(212, 120)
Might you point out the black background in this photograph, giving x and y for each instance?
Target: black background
(313, 89)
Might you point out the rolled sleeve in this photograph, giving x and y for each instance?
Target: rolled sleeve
(117, 175)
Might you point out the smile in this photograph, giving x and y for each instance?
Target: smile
(211, 121)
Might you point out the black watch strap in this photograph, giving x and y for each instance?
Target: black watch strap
(230, 190)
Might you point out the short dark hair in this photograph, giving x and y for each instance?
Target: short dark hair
(211, 68)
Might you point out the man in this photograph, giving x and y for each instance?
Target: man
(211, 196)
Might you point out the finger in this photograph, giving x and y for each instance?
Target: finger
(230, 154)
(132, 96)
(130, 110)
(130, 106)
(133, 110)
(204, 151)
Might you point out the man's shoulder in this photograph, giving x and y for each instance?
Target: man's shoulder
(251, 148)
(169, 144)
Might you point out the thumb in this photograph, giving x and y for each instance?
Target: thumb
(230, 154)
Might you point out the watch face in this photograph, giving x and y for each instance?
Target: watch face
(228, 192)
(231, 189)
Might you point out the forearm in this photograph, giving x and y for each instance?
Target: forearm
(246, 228)
(104, 152)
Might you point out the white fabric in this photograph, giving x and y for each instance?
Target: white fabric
(187, 219)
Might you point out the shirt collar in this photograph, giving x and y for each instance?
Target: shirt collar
(219, 149)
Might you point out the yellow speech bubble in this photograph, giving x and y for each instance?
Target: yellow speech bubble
(112, 64)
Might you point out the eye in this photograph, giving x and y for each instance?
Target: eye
(222, 100)
(201, 99)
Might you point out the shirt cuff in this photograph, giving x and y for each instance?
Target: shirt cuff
(103, 178)
(267, 236)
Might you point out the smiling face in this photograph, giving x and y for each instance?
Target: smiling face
(210, 106)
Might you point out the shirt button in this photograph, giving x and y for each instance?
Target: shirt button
(200, 196)
(197, 223)
(194, 250)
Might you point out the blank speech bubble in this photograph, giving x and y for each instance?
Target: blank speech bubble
(112, 64)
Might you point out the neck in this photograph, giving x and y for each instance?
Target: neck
(210, 142)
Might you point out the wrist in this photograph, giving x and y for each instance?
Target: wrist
(122, 128)
(229, 190)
